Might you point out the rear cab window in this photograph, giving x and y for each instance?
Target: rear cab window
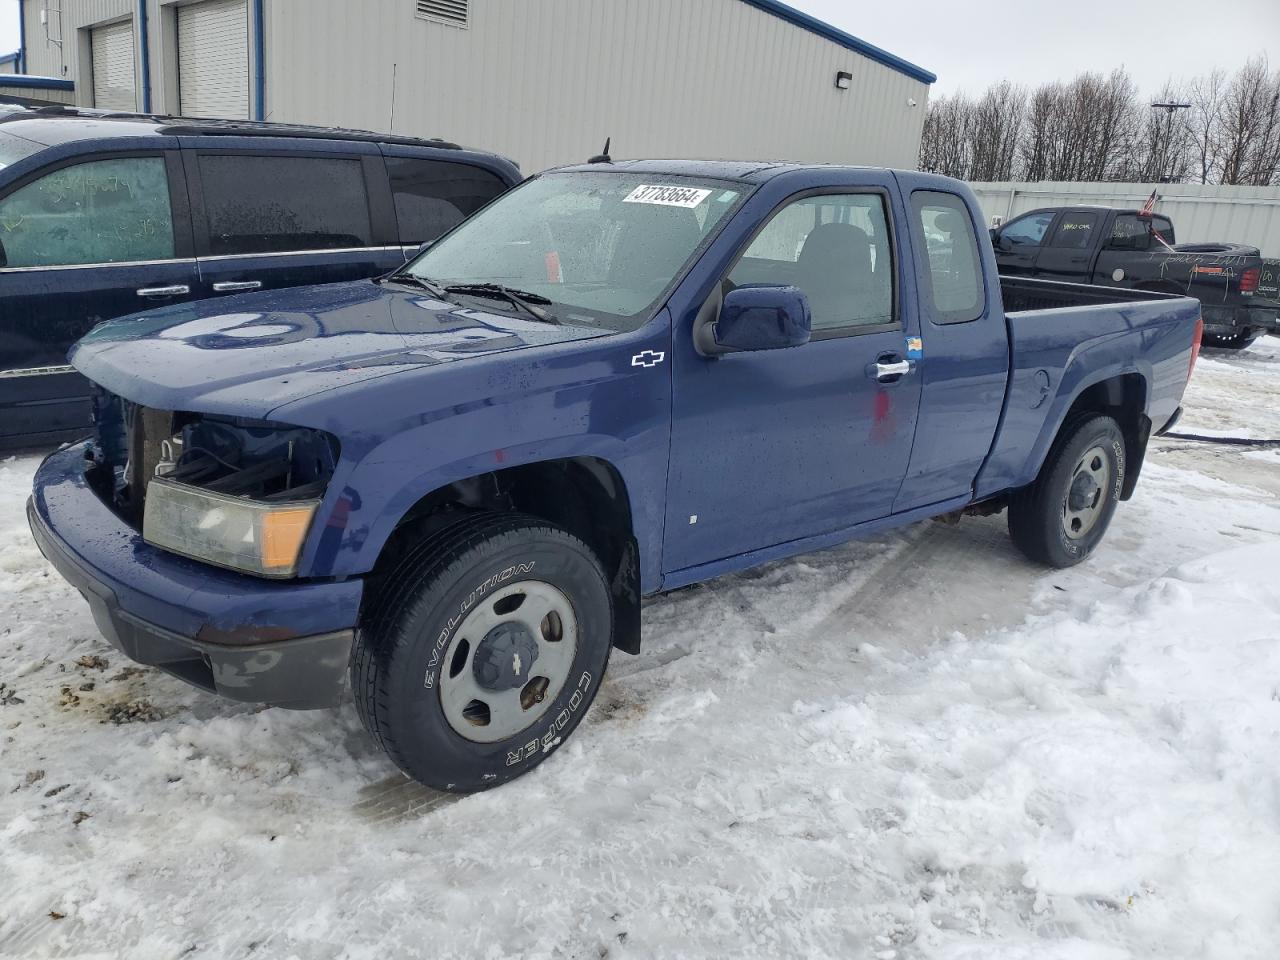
(434, 196)
(258, 204)
(954, 287)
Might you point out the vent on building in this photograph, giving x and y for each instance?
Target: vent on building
(446, 11)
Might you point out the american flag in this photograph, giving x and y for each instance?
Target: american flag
(1149, 207)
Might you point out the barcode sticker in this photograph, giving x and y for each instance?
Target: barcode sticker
(665, 195)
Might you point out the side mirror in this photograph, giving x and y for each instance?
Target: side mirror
(758, 317)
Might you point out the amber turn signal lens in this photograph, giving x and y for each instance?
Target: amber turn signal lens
(283, 532)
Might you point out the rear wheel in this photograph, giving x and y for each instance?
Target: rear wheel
(482, 650)
(1060, 518)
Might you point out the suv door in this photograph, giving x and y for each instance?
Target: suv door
(86, 240)
(267, 219)
(782, 445)
(1018, 242)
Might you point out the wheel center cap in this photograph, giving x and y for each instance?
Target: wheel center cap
(1084, 490)
(505, 657)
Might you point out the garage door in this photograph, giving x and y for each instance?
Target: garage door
(113, 78)
(213, 59)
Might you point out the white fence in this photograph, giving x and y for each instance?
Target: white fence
(1199, 213)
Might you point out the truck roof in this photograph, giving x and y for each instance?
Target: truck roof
(749, 171)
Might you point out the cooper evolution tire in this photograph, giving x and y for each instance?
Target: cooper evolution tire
(482, 649)
(1062, 517)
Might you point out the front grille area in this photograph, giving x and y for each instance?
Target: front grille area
(128, 441)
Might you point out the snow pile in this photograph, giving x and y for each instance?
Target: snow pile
(915, 747)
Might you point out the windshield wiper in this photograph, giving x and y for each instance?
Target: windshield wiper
(520, 298)
(413, 280)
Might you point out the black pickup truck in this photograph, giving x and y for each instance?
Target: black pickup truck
(1125, 248)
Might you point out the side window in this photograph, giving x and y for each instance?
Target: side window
(954, 277)
(1128, 233)
(1027, 231)
(1074, 231)
(1164, 227)
(261, 204)
(103, 211)
(836, 249)
(433, 196)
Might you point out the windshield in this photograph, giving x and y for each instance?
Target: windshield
(13, 149)
(601, 247)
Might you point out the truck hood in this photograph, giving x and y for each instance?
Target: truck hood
(247, 355)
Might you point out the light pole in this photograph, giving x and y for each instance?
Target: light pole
(1170, 107)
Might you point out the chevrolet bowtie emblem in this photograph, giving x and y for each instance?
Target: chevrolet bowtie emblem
(648, 358)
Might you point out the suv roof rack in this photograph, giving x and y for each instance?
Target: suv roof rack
(204, 127)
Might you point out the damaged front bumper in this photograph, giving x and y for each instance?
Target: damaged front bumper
(285, 643)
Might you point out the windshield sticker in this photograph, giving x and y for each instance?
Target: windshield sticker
(665, 195)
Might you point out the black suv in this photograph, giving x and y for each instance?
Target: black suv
(103, 215)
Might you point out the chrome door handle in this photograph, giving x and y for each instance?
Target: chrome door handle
(177, 290)
(230, 285)
(889, 371)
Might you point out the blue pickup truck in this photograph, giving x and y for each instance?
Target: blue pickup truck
(455, 484)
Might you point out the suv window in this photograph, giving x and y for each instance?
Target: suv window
(265, 204)
(1074, 231)
(102, 211)
(1027, 231)
(833, 247)
(433, 196)
(955, 286)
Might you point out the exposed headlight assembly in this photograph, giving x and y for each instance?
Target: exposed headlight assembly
(234, 532)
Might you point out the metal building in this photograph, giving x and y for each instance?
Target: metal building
(542, 81)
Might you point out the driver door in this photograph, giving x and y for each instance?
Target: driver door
(774, 446)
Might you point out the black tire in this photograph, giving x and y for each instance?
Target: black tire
(1235, 341)
(1037, 520)
(398, 668)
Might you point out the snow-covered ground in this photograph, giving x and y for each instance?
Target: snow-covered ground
(918, 746)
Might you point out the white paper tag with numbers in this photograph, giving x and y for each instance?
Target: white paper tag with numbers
(666, 195)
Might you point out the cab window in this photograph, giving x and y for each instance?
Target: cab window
(1027, 231)
(835, 248)
(103, 211)
(954, 285)
(1074, 231)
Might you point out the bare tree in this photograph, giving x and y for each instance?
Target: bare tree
(1162, 148)
(996, 126)
(1204, 123)
(1249, 147)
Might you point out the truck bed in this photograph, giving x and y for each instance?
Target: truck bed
(1024, 293)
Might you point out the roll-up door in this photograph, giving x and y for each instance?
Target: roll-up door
(113, 70)
(213, 59)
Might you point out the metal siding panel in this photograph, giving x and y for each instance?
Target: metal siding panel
(114, 67)
(213, 59)
(545, 81)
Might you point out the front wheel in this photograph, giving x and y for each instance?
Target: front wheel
(1060, 518)
(482, 649)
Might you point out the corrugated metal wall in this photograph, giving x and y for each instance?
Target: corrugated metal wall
(545, 81)
(45, 57)
(1199, 213)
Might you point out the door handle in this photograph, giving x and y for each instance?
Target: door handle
(177, 290)
(228, 286)
(887, 370)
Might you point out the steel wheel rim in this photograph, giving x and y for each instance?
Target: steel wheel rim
(527, 609)
(1086, 494)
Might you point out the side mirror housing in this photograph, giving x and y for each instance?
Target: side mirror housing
(757, 317)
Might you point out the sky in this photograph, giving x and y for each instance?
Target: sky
(970, 44)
